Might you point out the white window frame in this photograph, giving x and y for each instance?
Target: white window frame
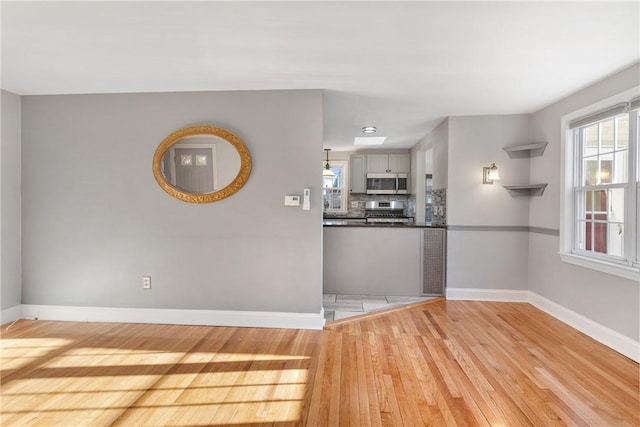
(637, 206)
(628, 268)
(344, 193)
(636, 248)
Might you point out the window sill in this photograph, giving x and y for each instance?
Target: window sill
(631, 273)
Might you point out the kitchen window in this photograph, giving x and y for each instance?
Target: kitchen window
(601, 217)
(334, 188)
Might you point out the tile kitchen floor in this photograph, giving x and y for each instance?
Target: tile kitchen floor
(338, 306)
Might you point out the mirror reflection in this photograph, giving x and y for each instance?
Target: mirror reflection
(201, 164)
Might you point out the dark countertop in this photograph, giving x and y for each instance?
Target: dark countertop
(353, 222)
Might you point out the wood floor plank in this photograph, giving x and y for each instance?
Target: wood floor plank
(447, 363)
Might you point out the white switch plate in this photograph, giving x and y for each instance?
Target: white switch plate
(354, 204)
(146, 282)
(306, 199)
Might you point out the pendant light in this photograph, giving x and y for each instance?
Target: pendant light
(327, 167)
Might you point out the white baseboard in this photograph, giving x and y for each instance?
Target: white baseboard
(10, 314)
(256, 319)
(501, 295)
(600, 333)
(612, 339)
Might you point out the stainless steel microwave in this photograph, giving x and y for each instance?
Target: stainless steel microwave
(387, 183)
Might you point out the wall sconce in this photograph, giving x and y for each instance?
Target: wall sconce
(490, 174)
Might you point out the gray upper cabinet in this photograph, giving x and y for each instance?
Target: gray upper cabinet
(391, 163)
(377, 163)
(357, 174)
(399, 163)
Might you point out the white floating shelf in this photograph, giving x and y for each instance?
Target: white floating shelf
(526, 190)
(526, 151)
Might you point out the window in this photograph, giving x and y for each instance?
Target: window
(601, 218)
(335, 188)
(601, 186)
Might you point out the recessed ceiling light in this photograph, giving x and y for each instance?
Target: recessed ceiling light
(369, 129)
(369, 140)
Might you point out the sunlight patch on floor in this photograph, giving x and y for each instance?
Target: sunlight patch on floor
(18, 353)
(103, 385)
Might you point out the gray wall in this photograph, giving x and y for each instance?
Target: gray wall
(476, 142)
(476, 258)
(438, 141)
(11, 269)
(440, 144)
(609, 300)
(95, 221)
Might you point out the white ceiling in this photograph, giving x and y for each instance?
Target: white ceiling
(400, 66)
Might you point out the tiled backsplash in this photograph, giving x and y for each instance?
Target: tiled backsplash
(439, 203)
(361, 199)
(410, 209)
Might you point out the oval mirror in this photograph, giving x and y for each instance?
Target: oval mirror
(201, 164)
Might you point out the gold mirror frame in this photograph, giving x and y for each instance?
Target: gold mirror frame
(235, 185)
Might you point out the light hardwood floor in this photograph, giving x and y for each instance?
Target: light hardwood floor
(438, 363)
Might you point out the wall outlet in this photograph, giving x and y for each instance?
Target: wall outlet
(146, 282)
(354, 205)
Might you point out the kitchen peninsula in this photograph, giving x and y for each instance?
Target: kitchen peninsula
(364, 258)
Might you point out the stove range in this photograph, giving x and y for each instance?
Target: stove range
(386, 212)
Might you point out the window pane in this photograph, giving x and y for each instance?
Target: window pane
(328, 181)
(621, 172)
(600, 201)
(607, 136)
(590, 136)
(599, 239)
(616, 205)
(588, 235)
(590, 171)
(596, 201)
(622, 132)
(337, 183)
(332, 199)
(604, 174)
(615, 245)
